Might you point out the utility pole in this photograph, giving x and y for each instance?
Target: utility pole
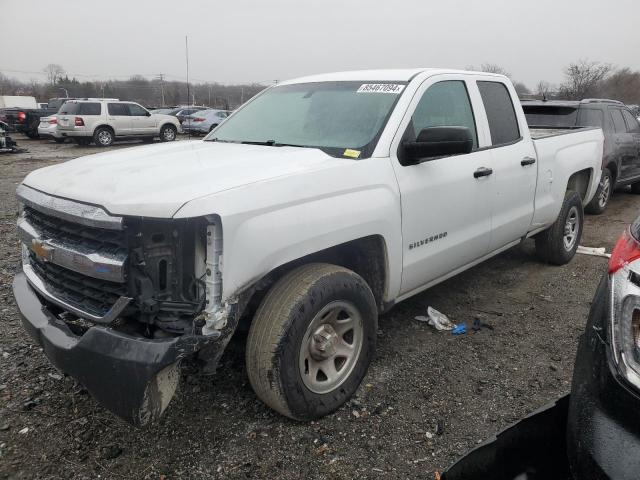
(186, 51)
(242, 95)
(160, 77)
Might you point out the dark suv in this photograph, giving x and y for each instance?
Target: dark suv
(621, 156)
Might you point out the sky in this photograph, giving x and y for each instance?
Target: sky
(244, 41)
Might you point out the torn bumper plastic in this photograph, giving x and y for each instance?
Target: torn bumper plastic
(133, 377)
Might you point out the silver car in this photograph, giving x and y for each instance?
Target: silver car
(204, 121)
(48, 128)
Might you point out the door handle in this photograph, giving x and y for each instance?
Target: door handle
(482, 172)
(527, 161)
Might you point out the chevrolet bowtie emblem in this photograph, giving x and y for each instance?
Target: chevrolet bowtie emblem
(41, 249)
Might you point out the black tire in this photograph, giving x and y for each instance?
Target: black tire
(59, 140)
(103, 137)
(83, 141)
(635, 188)
(213, 126)
(32, 134)
(275, 348)
(168, 133)
(552, 245)
(599, 202)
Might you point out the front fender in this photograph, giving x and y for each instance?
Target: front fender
(271, 223)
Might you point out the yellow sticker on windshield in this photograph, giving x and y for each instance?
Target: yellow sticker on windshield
(351, 153)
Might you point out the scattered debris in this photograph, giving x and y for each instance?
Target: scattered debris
(478, 325)
(459, 329)
(436, 319)
(24, 431)
(55, 376)
(594, 251)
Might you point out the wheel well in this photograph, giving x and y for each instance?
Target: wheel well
(613, 168)
(104, 126)
(579, 182)
(169, 125)
(366, 256)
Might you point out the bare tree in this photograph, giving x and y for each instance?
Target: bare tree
(521, 89)
(584, 79)
(54, 72)
(493, 68)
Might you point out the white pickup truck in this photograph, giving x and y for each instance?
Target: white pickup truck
(315, 207)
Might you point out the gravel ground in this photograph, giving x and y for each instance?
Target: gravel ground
(429, 396)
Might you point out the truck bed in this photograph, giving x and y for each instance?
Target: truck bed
(543, 132)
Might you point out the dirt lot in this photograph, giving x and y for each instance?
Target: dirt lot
(428, 397)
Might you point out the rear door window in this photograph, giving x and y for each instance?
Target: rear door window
(118, 109)
(503, 123)
(632, 123)
(618, 120)
(590, 117)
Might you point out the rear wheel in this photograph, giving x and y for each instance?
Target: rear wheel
(635, 188)
(311, 340)
(558, 244)
(168, 133)
(59, 139)
(33, 134)
(103, 137)
(600, 200)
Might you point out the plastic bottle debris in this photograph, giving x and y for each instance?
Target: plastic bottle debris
(436, 319)
(459, 329)
(594, 251)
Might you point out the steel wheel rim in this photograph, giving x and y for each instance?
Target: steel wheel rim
(104, 137)
(331, 347)
(571, 228)
(168, 134)
(604, 192)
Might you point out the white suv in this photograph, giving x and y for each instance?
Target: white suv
(102, 121)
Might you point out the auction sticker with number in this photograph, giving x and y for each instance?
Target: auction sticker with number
(381, 88)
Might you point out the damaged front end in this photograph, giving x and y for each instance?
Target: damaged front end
(117, 302)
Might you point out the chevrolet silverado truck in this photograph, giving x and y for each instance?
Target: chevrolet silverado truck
(315, 207)
(27, 120)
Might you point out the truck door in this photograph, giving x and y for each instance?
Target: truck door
(514, 165)
(633, 131)
(446, 218)
(119, 118)
(624, 145)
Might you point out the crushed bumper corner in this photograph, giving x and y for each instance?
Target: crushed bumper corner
(135, 378)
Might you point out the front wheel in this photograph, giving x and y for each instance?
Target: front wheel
(558, 244)
(168, 133)
(59, 139)
(32, 134)
(312, 340)
(600, 200)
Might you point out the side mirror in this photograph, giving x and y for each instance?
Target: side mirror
(148, 113)
(435, 142)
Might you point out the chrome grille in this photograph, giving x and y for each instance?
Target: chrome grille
(75, 258)
(90, 295)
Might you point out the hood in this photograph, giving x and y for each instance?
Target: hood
(156, 180)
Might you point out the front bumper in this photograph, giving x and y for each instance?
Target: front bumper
(604, 413)
(133, 377)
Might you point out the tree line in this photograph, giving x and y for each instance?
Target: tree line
(153, 93)
(582, 79)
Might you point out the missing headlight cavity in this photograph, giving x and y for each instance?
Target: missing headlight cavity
(163, 277)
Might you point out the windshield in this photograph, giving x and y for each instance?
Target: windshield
(344, 119)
